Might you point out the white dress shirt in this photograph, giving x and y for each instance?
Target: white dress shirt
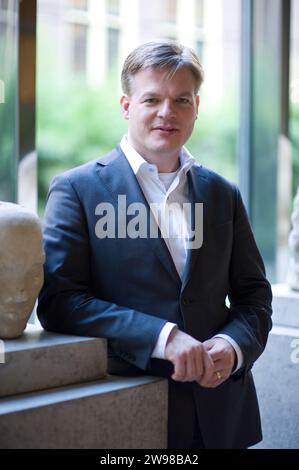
(164, 190)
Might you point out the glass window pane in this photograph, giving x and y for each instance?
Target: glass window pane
(8, 100)
(199, 12)
(78, 4)
(113, 47)
(170, 10)
(79, 47)
(113, 7)
(4, 5)
(199, 49)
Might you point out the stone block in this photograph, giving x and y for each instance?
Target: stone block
(40, 360)
(113, 413)
(276, 376)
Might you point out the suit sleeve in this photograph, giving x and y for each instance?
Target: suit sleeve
(66, 304)
(250, 293)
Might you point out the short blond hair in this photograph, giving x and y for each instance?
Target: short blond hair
(168, 55)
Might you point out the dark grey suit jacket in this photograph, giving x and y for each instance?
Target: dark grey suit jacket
(126, 289)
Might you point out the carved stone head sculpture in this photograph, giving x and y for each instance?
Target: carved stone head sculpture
(21, 267)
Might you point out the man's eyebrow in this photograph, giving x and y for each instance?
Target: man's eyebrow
(185, 93)
(149, 94)
(153, 94)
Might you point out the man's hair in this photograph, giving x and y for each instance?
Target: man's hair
(164, 55)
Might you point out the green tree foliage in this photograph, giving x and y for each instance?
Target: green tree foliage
(214, 140)
(77, 123)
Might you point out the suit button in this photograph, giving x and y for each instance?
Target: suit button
(186, 301)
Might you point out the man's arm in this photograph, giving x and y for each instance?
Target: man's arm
(190, 358)
(66, 303)
(240, 342)
(250, 293)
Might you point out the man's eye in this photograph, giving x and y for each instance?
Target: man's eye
(151, 100)
(184, 100)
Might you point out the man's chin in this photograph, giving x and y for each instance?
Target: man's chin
(167, 148)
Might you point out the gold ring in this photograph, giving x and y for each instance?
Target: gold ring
(219, 376)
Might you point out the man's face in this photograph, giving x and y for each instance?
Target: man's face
(161, 112)
(21, 268)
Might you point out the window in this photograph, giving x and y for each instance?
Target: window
(79, 4)
(79, 47)
(113, 7)
(108, 41)
(199, 49)
(113, 47)
(199, 12)
(170, 11)
(4, 5)
(8, 100)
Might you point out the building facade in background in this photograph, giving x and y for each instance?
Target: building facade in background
(93, 37)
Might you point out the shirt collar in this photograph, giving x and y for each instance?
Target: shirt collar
(139, 164)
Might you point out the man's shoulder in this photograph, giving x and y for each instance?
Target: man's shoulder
(87, 170)
(213, 178)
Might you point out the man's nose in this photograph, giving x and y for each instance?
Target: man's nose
(166, 109)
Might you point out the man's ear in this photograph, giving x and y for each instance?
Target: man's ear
(197, 104)
(124, 106)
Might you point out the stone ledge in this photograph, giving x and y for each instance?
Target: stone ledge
(114, 413)
(40, 360)
(285, 306)
(276, 377)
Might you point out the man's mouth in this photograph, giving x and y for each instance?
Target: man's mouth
(166, 129)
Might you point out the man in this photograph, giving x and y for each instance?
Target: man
(160, 300)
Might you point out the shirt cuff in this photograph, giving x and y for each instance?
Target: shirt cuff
(240, 358)
(159, 349)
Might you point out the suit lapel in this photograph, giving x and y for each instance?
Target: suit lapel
(118, 177)
(198, 193)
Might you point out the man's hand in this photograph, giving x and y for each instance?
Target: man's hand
(190, 359)
(223, 356)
